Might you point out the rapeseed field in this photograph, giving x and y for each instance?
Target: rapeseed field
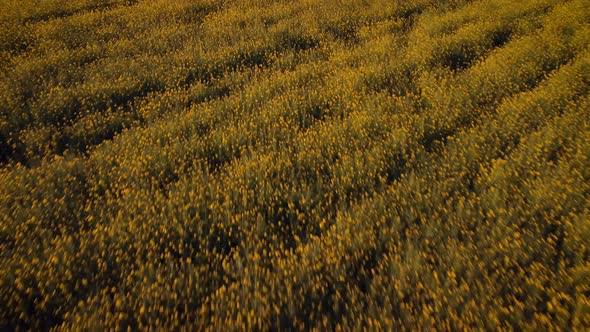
(231, 165)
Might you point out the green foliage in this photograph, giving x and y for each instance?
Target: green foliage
(240, 164)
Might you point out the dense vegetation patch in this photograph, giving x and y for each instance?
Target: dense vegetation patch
(240, 164)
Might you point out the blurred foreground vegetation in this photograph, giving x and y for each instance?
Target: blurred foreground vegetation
(239, 164)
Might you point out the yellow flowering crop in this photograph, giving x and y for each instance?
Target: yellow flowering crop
(294, 165)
